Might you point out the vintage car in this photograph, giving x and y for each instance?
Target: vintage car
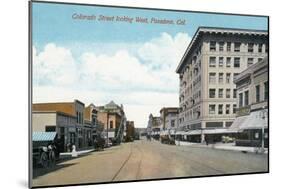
(227, 139)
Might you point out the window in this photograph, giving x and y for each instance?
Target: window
(240, 99)
(228, 77)
(77, 117)
(259, 59)
(220, 62)
(228, 123)
(212, 78)
(246, 98)
(111, 124)
(266, 90)
(212, 93)
(220, 93)
(214, 124)
(236, 62)
(235, 75)
(227, 109)
(228, 46)
(221, 45)
(212, 46)
(227, 94)
(228, 62)
(250, 61)
(237, 47)
(172, 123)
(220, 77)
(234, 93)
(50, 128)
(257, 93)
(212, 109)
(234, 108)
(220, 108)
(250, 47)
(212, 62)
(260, 48)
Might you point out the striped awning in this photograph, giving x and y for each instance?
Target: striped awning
(238, 122)
(43, 136)
(256, 120)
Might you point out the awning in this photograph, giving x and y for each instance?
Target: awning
(194, 132)
(238, 122)
(218, 131)
(256, 120)
(43, 136)
(180, 133)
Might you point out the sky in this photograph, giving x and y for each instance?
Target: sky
(130, 63)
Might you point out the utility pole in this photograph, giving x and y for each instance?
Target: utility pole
(107, 118)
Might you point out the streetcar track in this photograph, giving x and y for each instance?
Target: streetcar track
(140, 162)
(123, 164)
(198, 163)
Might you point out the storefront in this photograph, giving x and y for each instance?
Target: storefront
(251, 128)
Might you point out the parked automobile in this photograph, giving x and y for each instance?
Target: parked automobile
(227, 139)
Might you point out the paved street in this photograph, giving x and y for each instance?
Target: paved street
(149, 160)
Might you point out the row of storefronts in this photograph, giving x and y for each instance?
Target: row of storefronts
(249, 127)
(78, 125)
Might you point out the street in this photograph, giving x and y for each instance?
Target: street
(149, 160)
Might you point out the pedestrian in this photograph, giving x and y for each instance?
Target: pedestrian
(74, 152)
(206, 140)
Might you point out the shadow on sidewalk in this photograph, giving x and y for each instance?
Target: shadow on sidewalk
(42, 171)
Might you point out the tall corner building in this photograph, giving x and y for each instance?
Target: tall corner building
(207, 95)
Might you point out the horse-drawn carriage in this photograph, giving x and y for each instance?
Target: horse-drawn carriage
(166, 139)
(44, 148)
(99, 143)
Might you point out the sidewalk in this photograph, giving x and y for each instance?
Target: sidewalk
(223, 146)
(81, 152)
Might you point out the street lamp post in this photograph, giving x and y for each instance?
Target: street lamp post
(262, 140)
(107, 130)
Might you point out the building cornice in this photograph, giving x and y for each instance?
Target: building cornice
(216, 30)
